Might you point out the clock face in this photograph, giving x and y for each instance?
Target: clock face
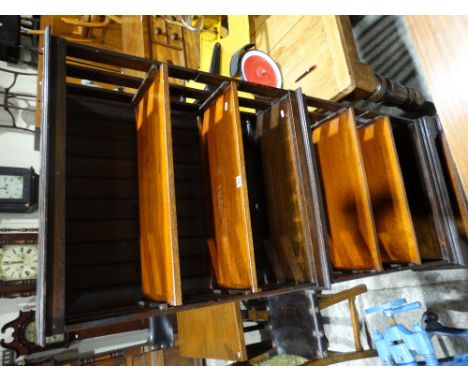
(30, 332)
(19, 262)
(11, 186)
(30, 335)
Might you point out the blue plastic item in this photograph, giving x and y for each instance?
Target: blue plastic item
(399, 346)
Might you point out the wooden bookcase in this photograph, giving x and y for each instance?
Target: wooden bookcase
(168, 198)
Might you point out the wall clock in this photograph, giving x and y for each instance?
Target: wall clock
(18, 264)
(18, 189)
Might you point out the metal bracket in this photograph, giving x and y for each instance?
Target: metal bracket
(161, 332)
(153, 304)
(233, 291)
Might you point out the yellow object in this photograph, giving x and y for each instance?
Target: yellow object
(234, 38)
(238, 35)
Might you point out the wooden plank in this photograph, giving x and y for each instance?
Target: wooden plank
(393, 222)
(459, 201)
(428, 136)
(290, 248)
(212, 332)
(231, 247)
(326, 300)
(158, 223)
(268, 31)
(353, 241)
(417, 190)
(319, 36)
(330, 45)
(135, 40)
(168, 54)
(435, 38)
(341, 357)
(191, 48)
(52, 196)
(111, 41)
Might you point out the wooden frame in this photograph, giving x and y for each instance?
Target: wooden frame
(458, 198)
(353, 240)
(51, 239)
(452, 246)
(158, 223)
(393, 222)
(220, 324)
(107, 248)
(324, 357)
(231, 248)
(297, 248)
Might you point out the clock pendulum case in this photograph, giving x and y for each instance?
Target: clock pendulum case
(24, 335)
(18, 264)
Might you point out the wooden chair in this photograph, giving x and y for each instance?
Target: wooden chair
(327, 300)
(329, 357)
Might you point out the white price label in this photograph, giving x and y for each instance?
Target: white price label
(238, 181)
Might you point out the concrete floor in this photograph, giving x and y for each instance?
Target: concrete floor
(445, 292)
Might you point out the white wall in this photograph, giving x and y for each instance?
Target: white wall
(17, 150)
(17, 147)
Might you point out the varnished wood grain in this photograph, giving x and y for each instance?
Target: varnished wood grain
(212, 332)
(167, 45)
(135, 41)
(231, 248)
(395, 231)
(329, 44)
(290, 247)
(192, 49)
(353, 240)
(416, 191)
(158, 224)
(459, 201)
(152, 37)
(111, 41)
(441, 45)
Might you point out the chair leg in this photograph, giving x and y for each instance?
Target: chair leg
(355, 324)
(336, 358)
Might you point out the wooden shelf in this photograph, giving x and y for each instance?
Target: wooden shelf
(393, 222)
(353, 239)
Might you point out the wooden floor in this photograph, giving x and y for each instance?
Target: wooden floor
(441, 44)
